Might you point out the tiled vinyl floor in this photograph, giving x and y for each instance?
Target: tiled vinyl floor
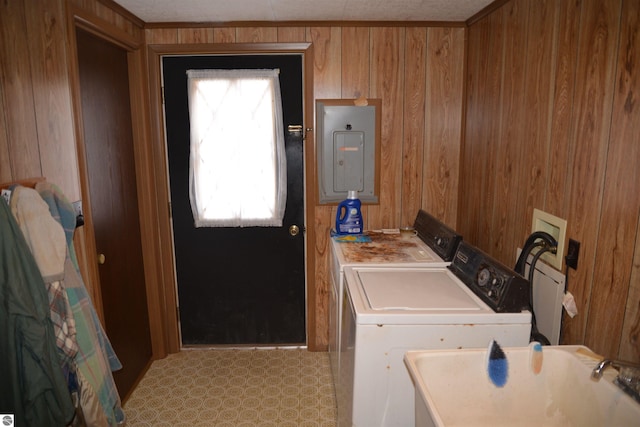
(235, 388)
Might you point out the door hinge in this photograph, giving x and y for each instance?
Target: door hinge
(162, 94)
(178, 313)
(170, 211)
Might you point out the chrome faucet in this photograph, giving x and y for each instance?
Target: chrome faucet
(628, 378)
(597, 372)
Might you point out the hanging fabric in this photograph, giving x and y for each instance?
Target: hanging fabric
(34, 386)
(237, 165)
(96, 359)
(48, 244)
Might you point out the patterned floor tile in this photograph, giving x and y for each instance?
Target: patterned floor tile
(235, 388)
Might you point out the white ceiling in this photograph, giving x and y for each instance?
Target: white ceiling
(303, 10)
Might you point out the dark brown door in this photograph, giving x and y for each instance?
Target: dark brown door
(106, 114)
(237, 285)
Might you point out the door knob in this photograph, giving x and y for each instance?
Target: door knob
(101, 259)
(294, 230)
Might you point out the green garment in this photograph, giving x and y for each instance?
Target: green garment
(33, 386)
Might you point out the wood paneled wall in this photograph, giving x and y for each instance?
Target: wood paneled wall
(37, 129)
(418, 73)
(37, 135)
(553, 122)
(40, 134)
(34, 89)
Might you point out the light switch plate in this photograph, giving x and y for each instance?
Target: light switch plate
(77, 206)
(556, 227)
(6, 195)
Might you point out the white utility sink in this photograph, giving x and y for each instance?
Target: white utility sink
(453, 389)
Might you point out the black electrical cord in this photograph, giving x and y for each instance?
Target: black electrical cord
(566, 287)
(531, 243)
(535, 334)
(548, 244)
(524, 255)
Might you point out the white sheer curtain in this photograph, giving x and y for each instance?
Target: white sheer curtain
(237, 161)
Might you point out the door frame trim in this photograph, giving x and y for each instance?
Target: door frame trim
(168, 285)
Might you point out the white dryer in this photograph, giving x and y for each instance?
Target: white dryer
(433, 247)
(389, 311)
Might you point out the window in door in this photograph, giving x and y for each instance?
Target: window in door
(237, 164)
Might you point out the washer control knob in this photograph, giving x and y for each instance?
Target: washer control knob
(484, 276)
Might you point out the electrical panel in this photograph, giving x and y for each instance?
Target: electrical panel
(348, 150)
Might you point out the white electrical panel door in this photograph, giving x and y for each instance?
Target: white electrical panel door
(348, 154)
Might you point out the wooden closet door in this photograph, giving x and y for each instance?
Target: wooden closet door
(106, 114)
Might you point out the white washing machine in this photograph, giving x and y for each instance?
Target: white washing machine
(433, 247)
(388, 311)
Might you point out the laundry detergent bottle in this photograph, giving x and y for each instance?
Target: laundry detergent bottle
(349, 217)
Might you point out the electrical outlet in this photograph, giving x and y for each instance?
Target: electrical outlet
(77, 206)
(572, 254)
